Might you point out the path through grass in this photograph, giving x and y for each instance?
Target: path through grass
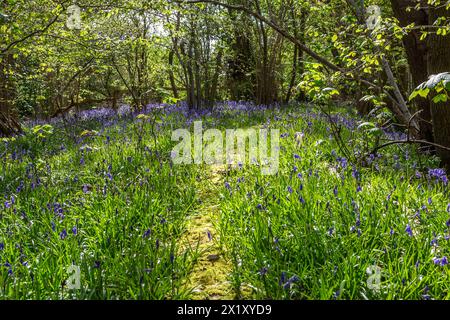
(210, 277)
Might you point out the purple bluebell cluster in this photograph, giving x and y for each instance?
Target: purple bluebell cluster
(438, 175)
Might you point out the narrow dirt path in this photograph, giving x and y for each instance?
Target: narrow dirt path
(210, 276)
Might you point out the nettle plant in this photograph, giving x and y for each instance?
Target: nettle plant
(439, 84)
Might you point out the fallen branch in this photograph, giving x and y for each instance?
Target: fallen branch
(393, 142)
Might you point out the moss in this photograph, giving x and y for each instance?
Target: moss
(209, 280)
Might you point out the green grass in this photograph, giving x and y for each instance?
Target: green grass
(130, 205)
(326, 242)
(129, 191)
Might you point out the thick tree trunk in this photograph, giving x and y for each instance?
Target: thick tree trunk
(416, 52)
(241, 64)
(297, 59)
(197, 75)
(191, 79)
(212, 96)
(8, 123)
(439, 61)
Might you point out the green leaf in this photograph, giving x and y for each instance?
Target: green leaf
(366, 125)
(414, 94)
(435, 79)
(375, 131)
(440, 98)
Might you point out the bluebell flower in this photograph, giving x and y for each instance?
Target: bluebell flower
(290, 281)
(438, 175)
(343, 162)
(20, 187)
(208, 233)
(290, 189)
(408, 230)
(63, 234)
(434, 242)
(147, 233)
(355, 173)
(282, 278)
(2, 246)
(335, 191)
(336, 294)
(75, 230)
(263, 271)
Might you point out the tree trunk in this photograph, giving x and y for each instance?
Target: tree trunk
(297, 63)
(172, 76)
(215, 80)
(240, 75)
(8, 124)
(416, 52)
(439, 61)
(191, 80)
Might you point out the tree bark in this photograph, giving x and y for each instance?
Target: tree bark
(416, 52)
(8, 123)
(439, 61)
